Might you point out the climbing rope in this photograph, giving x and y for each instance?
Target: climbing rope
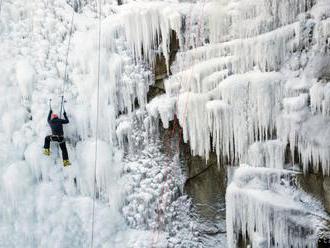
(65, 78)
(97, 120)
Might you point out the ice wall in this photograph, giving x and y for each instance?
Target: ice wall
(267, 78)
(255, 89)
(41, 203)
(245, 91)
(130, 39)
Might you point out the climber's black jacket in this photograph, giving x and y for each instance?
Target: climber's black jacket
(56, 124)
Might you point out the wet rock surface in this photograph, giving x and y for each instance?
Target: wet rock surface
(318, 186)
(207, 191)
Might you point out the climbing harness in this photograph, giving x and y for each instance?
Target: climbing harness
(56, 139)
(97, 120)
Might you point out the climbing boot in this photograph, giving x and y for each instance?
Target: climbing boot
(46, 152)
(66, 163)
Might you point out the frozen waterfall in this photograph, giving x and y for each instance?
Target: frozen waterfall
(249, 84)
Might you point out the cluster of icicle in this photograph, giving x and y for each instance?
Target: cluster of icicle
(231, 95)
(130, 40)
(248, 90)
(253, 82)
(264, 206)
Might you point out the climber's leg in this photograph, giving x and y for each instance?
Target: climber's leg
(65, 156)
(47, 142)
(47, 145)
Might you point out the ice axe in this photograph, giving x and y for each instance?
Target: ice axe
(62, 106)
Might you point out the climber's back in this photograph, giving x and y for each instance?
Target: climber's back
(56, 124)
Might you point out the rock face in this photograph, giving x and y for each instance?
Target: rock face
(208, 188)
(161, 69)
(196, 166)
(318, 186)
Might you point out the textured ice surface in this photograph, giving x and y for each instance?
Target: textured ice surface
(245, 87)
(265, 202)
(271, 73)
(40, 204)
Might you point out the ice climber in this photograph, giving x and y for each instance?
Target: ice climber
(56, 125)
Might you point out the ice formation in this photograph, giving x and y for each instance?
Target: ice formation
(25, 76)
(264, 204)
(244, 91)
(252, 93)
(37, 194)
(267, 154)
(40, 204)
(263, 76)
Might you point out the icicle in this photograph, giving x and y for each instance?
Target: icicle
(192, 116)
(163, 107)
(262, 201)
(25, 74)
(192, 79)
(124, 132)
(17, 181)
(268, 154)
(219, 124)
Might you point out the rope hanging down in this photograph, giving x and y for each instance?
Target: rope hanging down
(97, 120)
(65, 78)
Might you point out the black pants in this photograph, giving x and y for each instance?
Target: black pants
(61, 142)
